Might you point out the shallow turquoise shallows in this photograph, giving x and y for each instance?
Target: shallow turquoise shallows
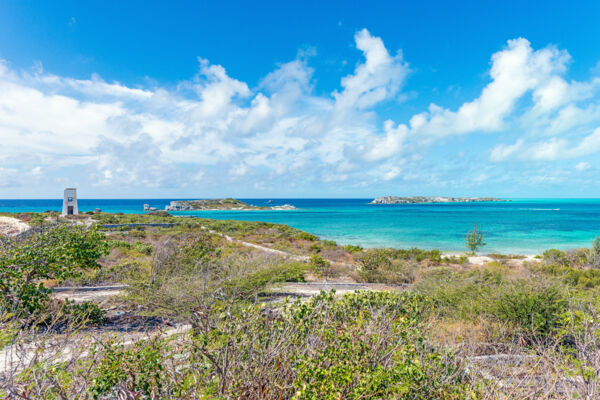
(521, 226)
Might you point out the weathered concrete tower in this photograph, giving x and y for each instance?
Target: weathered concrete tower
(70, 202)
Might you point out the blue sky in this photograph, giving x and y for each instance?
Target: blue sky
(300, 99)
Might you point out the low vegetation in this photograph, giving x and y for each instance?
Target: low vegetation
(53, 254)
(201, 317)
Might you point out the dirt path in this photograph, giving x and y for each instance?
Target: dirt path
(54, 348)
(102, 294)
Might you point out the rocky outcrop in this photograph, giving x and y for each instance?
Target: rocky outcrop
(283, 207)
(433, 199)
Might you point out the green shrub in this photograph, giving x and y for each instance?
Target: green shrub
(554, 256)
(137, 369)
(352, 248)
(244, 228)
(462, 294)
(319, 265)
(329, 243)
(110, 274)
(315, 248)
(252, 283)
(462, 259)
(345, 364)
(387, 266)
(535, 310)
(585, 278)
(418, 255)
(8, 329)
(143, 248)
(85, 313)
(594, 253)
(306, 236)
(381, 258)
(191, 267)
(58, 253)
(375, 259)
(364, 345)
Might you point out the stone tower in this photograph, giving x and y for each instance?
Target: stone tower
(70, 202)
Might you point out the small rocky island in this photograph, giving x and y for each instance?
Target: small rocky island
(434, 199)
(219, 204)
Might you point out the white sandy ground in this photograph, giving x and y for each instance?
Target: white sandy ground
(13, 358)
(12, 226)
(482, 259)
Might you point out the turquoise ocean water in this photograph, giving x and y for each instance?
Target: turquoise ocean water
(521, 226)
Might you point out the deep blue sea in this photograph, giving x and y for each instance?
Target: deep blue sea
(522, 226)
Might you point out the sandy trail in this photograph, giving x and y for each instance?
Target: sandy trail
(483, 259)
(64, 347)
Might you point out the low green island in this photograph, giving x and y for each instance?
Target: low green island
(219, 204)
(432, 199)
(159, 306)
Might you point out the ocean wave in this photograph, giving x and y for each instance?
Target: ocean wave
(539, 209)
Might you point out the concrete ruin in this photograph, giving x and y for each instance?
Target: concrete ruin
(70, 202)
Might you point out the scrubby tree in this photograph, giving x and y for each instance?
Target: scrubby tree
(475, 239)
(56, 253)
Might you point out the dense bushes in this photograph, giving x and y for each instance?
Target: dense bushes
(364, 345)
(66, 315)
(533, 310)
(58, 253)
(577, 277)
(536, 311)
(370, 345)
(583, 257)
(319, 266)
(394, 266)
(242, 228)
(577, 268)
(191, 267)
(139, 247)
(352, 248)
(137, 370)
(108, 218)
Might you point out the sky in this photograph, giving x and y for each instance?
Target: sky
(288, 99)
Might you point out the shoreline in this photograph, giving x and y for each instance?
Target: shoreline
(326, 224)
(10, 226)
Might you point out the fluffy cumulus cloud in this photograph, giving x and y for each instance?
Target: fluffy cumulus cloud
(213, 127)
(216, 131)
(515, 71)
(377, 79)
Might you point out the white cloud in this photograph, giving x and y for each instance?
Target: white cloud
(392, 173)
(388, 145)
(582, 166)
(378, 78)
(549, 150)
(502, 152)
(515, 70)
(216, 130)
